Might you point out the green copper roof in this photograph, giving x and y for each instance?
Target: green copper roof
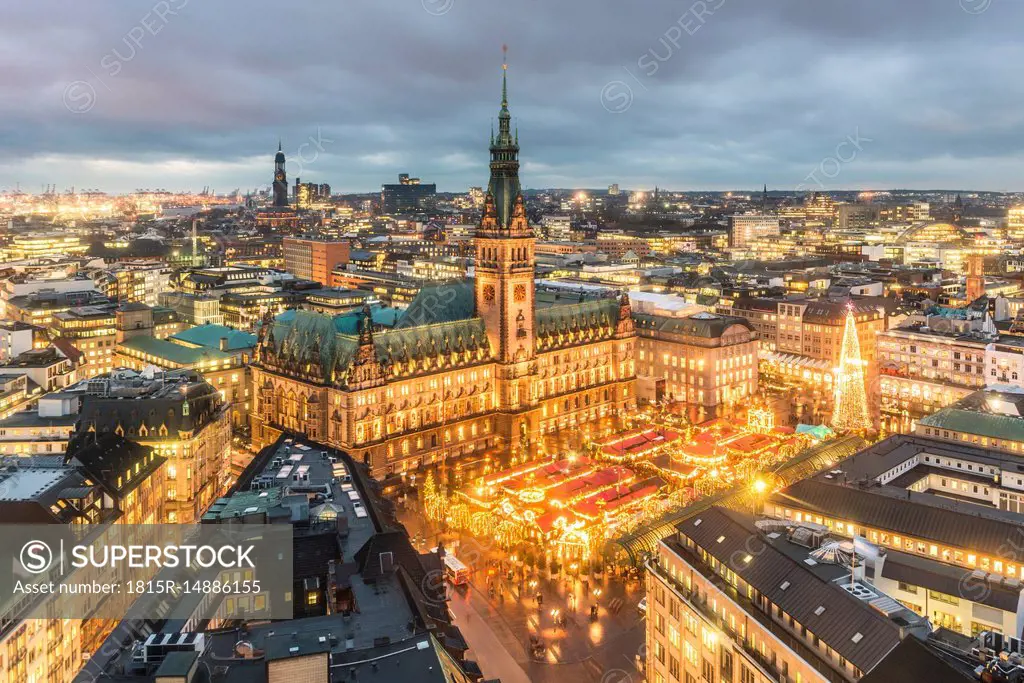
(209, 335)
(600, 314)
(244, 503)
(163, 350)
(440, 304)
(1003, 427)
(306, 337)
(412, 343)
(348, 323)
(303, 338)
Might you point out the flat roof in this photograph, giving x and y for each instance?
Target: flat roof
(209, 336)
(29, 484)
(884, 456)
(176, 353)
(32, 419)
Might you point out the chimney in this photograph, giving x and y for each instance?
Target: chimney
(223, 343)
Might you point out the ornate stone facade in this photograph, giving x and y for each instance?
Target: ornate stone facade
(468, 366)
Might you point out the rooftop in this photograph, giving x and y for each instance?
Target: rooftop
(991, 414)
(178, 354)
(813, 592)
(704, 325)
(210, 335)
(381, 634)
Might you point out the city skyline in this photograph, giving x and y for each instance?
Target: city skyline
(175, 96)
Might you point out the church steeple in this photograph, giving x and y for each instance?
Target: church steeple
(280, 184)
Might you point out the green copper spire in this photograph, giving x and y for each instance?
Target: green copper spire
(504, 183)
(504, 76)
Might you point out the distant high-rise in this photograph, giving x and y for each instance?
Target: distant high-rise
(280, 179)
(409, 194)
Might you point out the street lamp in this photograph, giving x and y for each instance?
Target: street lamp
(759, 487)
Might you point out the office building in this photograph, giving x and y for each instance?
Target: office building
(408, 195)
(931, 361)
(314, 259)
(728, 600)
(704, 359)
(941, 513)
(745, 228)
(856, 216)
(177, 414)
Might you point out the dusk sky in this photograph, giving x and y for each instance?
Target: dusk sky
(719, 94)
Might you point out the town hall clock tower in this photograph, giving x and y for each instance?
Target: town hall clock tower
(504, 285)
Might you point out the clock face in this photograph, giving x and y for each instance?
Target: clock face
(280, 176)
(489, 293)
(520, 293)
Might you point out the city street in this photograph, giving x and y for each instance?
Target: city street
(515, 636)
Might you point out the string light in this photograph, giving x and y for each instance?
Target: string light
(851, 401)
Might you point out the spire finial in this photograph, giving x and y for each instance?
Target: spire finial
(279, 145)
(504, 75)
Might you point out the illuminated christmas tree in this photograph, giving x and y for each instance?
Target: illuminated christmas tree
(850, 413)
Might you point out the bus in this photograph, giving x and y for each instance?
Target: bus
(455, 571)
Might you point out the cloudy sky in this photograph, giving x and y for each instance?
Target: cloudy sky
(717, 94)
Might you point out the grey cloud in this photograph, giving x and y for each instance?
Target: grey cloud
(760, 92)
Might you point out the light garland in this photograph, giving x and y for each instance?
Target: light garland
(851, 402)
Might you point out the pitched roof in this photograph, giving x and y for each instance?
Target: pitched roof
(912, 660)
(722, 534)
(555, 325)
(706, 325)
(440, 303)
(68, 348)
(307, 337)
(960, 525)
(973, 415)
(949, 579)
